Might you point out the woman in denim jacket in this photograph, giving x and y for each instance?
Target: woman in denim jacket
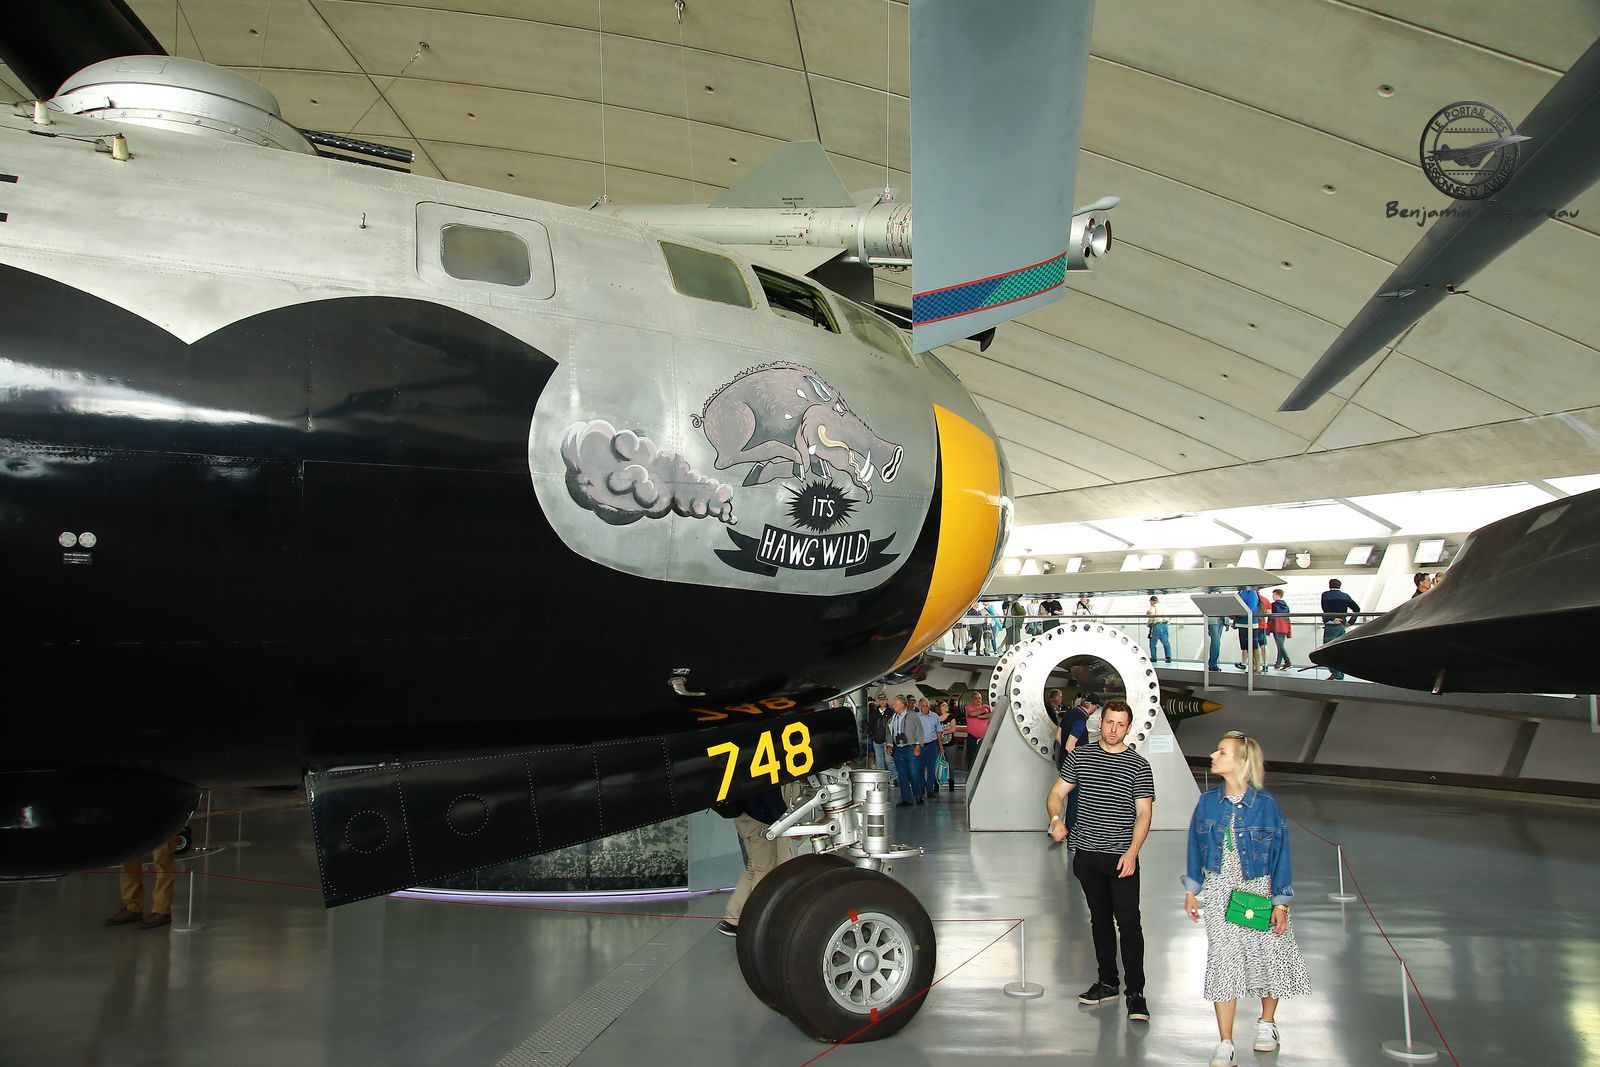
(1238, 839)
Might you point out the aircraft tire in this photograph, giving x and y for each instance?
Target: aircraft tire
(182, 841)
(760, 918)
(854, 957)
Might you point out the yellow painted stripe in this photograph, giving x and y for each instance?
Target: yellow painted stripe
(969, 523)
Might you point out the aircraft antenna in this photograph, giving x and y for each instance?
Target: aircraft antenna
(688, 127)
(178, 10)
(605, 173)
(887, 61)
(261, 60)
(422, 46)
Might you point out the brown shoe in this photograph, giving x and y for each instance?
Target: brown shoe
(124, 917)
(155, 919)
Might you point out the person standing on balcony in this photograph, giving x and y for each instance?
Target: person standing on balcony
(1156, 622)
(1246, 624)
(1337, 606)
(1280, 629)
(1016, 616)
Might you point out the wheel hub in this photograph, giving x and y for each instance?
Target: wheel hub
(866, 963)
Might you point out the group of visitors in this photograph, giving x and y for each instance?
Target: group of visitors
(1237, 876)
(989, 627)
(911, 735)
(1266, 618)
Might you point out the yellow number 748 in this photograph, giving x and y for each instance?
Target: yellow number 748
(798, 758)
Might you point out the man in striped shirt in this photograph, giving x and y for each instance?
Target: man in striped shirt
(1116, 793)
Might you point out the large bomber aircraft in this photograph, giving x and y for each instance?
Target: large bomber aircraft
(500, 525)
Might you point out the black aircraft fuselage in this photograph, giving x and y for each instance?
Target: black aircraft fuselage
(320, 528)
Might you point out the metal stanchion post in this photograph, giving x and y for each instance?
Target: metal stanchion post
(189, 926)
(238, 829)
(1024, 989)
(1341, 896)
(1407, 1050)
(205, 848)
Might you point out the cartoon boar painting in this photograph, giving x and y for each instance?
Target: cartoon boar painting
(785, 419)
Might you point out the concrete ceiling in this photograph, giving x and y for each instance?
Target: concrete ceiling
(1254, 147)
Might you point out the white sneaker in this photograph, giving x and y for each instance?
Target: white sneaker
(1266, 1036)
(1223, 1056)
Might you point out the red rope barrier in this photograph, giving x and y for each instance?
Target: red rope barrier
(1365, 903)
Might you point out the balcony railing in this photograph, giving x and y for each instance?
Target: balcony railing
(1189, 637)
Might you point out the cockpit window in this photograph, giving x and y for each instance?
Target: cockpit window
(874, 330)
(475, 254)
(706, 275)
(796, 301)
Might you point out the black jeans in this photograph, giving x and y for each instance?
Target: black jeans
(1113, 909)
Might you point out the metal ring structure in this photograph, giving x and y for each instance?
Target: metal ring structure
(1025, 670)
(867, 962)
(1000, 681)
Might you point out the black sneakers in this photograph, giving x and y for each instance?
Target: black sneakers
(1138, 1010)
(727, 928)
(1098, 993)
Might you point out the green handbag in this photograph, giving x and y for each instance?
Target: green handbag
(1248, 909)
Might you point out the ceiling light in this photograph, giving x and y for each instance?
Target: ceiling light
(1275, 557)
(1358, 556)
(1250, 557)
(1430, 551)
(1151, 561)
(1130, 562)
(1010, 566)
(1184, 560)
(1302, 559)
(1075, 564)
(1030, 566)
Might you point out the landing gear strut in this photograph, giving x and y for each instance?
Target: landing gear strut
(829, 939)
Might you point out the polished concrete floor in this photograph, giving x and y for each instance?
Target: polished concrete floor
(1490, 899)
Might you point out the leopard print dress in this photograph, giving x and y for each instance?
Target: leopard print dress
(1241, 962)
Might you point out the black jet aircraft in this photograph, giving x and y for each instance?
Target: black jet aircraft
(1507, 618)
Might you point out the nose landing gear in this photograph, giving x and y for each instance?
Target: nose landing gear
(829, 939)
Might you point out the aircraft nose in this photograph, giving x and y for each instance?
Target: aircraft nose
(972, 521)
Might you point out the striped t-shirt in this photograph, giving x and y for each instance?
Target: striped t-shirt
(1106, 783)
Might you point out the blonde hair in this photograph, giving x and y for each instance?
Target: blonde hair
(1252, 764)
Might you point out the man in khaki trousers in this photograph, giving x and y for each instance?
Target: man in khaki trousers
(132, 885)
(760, 855)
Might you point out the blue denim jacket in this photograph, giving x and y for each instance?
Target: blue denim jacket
(1261, 836)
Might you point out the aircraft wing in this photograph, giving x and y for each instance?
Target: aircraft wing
(1558, 163)
(997, 109)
